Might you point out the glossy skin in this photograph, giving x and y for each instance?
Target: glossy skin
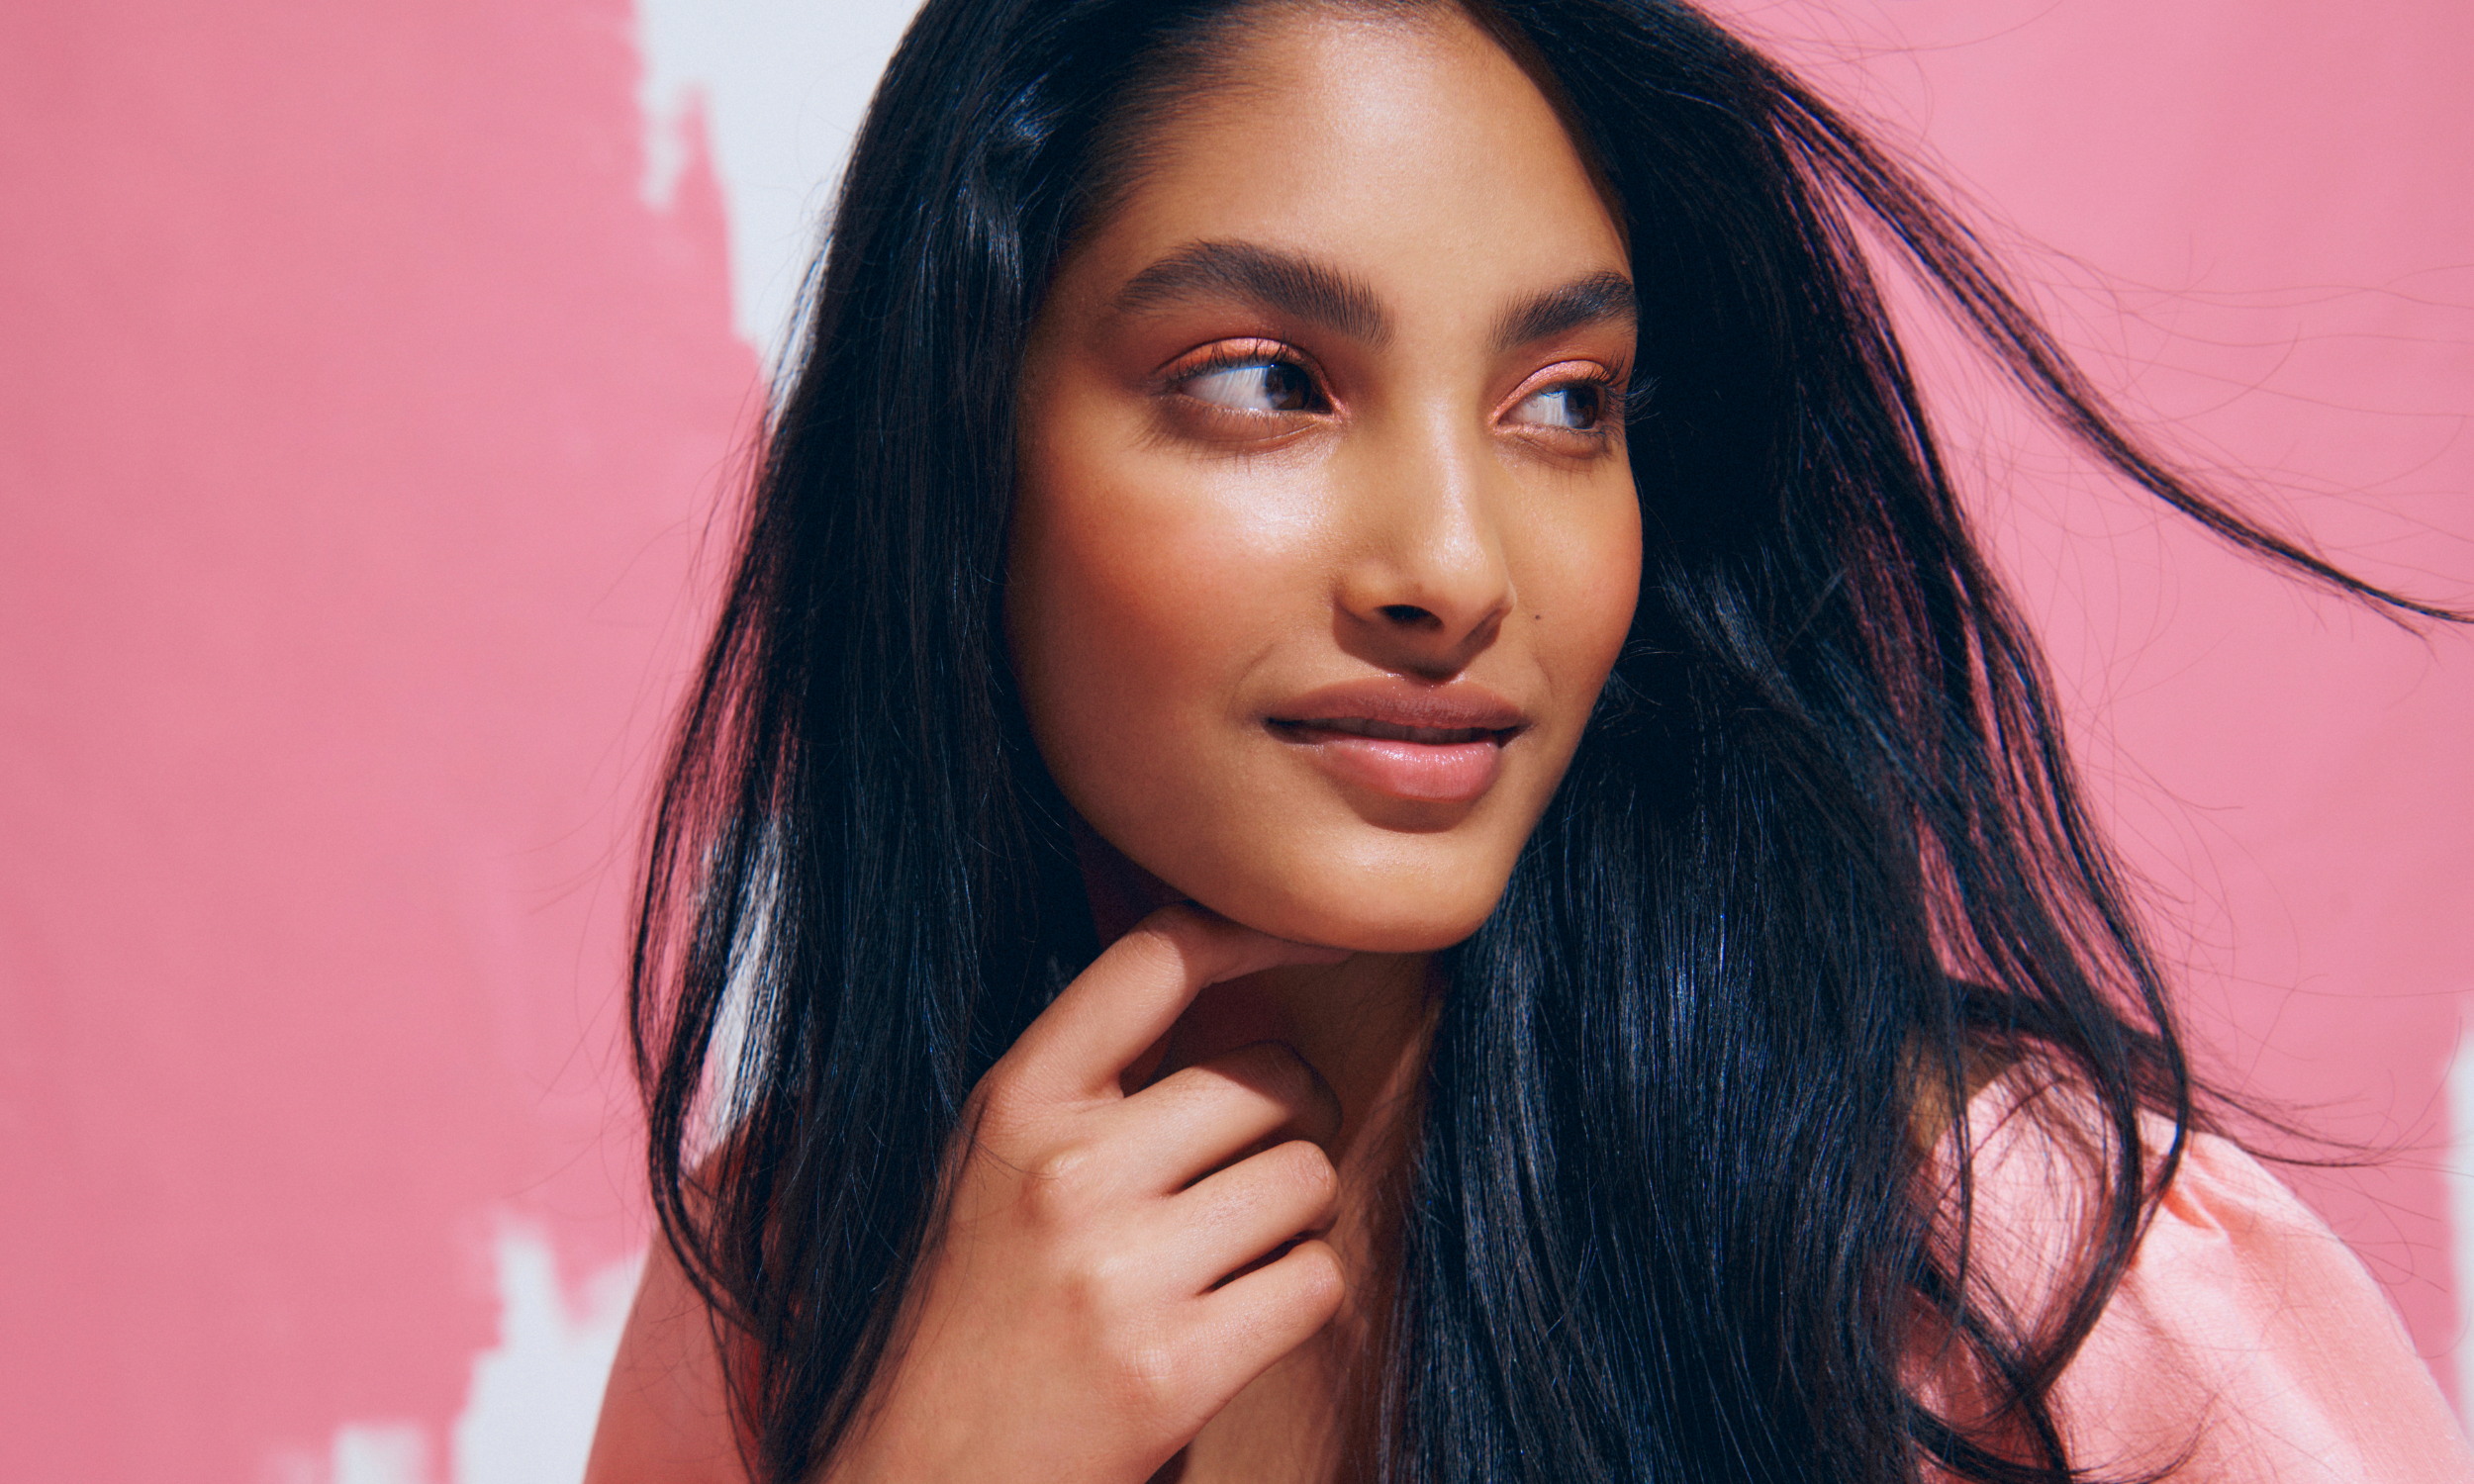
(1325, 544)
(1190, 565)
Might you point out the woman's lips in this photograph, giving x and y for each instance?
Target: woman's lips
(1435, 745)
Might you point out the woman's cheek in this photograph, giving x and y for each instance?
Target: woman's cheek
(1613, 579)
(1580, 581)
(1142, 598)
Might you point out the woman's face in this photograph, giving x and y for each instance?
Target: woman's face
(1325, 537)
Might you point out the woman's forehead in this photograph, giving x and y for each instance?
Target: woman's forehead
(1405, 152)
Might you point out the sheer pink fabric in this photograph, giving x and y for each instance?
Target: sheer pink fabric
(2245, 1342)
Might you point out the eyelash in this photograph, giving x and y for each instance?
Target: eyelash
(1614, 410)
(1613, 403)
(1240, 356)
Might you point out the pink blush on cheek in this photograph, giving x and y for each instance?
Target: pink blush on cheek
(1435, 773)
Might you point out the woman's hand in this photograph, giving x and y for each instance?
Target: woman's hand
(1076, 1319)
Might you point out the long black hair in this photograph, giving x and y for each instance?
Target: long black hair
(1818, 856)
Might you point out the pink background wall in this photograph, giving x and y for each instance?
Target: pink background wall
(359, 421)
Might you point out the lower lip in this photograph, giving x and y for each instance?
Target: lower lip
(1427, 772)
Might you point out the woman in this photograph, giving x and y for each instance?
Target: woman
(1407, 527)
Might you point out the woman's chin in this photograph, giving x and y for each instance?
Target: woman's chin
(1351, 886)
(1423, 925)
(1390, 938)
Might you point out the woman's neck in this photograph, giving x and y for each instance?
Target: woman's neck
(1362, 1023)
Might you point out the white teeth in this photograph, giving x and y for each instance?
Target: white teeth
(1358, 726)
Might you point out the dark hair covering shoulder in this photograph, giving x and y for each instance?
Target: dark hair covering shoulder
(1819, 852)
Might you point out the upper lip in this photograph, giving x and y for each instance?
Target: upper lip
(1392, 704)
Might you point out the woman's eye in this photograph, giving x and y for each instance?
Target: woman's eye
(1578, 406)
(1256, 387)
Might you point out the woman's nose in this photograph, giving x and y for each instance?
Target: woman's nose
(1425, 585)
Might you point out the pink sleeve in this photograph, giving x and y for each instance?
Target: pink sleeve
(2245, 1336)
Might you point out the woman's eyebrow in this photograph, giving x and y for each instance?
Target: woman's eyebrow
(1597, 298)
(1282, 282)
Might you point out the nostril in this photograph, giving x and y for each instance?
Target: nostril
(1409, 615)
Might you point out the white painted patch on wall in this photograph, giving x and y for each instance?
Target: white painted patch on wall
(381, 1453)
(534, 1396)
(780, 87)
(388, 1452)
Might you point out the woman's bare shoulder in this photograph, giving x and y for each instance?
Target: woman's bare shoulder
(666, 1413)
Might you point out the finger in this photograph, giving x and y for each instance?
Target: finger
(1245, 1326)
(1234, 1220)
(1131, 995)
(1195, 1119)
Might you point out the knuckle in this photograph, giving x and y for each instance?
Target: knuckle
(1176, 934)
(1110, 1278)
(1145, 1376)
(1060, 1184)
(1184, 937)
(1065, 1170)
(1320, 1283)
(1309, 1171)
(1278, 1071)
(1106, 1293)
(1151, 952)
(1277, 1068)
(1182, 922)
